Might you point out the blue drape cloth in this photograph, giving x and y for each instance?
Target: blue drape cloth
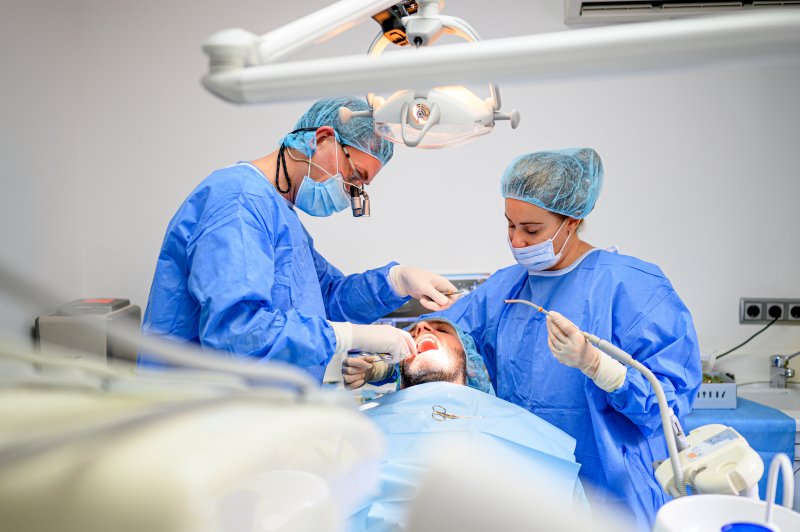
(489, 427)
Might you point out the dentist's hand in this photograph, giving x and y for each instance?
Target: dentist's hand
(359, 370)
(429, 288)
(569, 346)
(373, 339)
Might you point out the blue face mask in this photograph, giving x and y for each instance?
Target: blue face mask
(325, 198)
(539, 257)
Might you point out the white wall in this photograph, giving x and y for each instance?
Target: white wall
(701, 171)
(40, 194)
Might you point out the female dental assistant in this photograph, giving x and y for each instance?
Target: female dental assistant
(547, 366)
(239, 273)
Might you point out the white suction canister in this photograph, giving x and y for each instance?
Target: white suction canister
(730, 513)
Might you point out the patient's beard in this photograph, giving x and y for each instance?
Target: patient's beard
(413, 376)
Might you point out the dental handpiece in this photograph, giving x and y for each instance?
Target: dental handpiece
(606, 347)
(524, 302)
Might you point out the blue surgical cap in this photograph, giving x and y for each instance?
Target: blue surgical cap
(358, 132)
(477, 374)
(564, 181)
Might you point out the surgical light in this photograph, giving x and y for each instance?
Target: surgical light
(441, 116)
(420, 114)
(432, 116)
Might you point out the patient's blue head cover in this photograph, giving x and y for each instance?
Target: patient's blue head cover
(358, 132)
(477, 374)
(564, 181)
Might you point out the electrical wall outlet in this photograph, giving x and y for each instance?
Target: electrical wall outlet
(764, 310)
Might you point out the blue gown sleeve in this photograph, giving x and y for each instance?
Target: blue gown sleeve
(358, 298)
(244, 307)
(663, 338)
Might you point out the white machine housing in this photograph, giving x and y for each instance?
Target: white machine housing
(718, 460)
(178, 453)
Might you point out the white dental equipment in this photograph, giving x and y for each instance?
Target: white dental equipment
(176, 452)
(426, 116)
(442, 116)
(711, 513)
(91, 447)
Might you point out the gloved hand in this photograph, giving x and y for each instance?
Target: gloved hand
(571, 348)
(429, 288)
(359, 370)
(373, 339)
(568, 344)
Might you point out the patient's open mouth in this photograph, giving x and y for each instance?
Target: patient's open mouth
(427, 343)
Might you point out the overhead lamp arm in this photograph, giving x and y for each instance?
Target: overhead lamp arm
(236, 49)
(650, 46)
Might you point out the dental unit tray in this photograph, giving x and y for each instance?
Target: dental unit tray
(717, 391)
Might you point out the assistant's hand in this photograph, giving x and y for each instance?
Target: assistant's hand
(359, 370)
(429, 288)
(569, 346)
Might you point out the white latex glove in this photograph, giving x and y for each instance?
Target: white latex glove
(429, 288)
(359, 370)
(568, 344)
(374, 339)
(571, 348)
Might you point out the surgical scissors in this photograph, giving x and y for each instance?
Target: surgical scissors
(386, 357)
(456, 293)
(440, 414)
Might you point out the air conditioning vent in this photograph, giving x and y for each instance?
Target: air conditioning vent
(608, 11)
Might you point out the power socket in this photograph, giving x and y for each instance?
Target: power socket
(764, 310)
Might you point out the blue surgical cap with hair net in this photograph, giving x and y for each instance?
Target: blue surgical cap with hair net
(358, 132)
(564, 181)
(477, 374)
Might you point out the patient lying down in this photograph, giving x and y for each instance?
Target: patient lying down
(441, 356)
(444, 354)
(446, 400)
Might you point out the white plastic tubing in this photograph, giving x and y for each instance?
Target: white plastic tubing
(663, 407)
(779, 462)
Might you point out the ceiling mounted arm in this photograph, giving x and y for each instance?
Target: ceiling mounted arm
(573, 54)
(237, 49)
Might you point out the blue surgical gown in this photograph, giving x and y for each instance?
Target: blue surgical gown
(619, 298)
(238, 272)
